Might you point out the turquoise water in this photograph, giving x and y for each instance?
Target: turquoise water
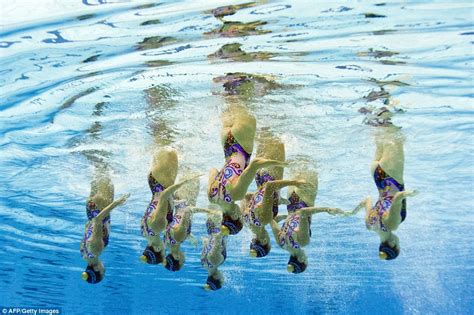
(79, 83)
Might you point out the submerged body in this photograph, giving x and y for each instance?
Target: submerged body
(390, 209)
(230, 184)
(179, 229)
(97, 229)
(295, 232)
(259, 208)
(159, 212)
(214, 253)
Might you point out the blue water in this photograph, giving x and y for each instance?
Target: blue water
(61, 59)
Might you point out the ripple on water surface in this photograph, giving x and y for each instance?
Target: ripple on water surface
(89, 82)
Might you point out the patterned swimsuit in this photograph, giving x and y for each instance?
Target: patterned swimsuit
(250, 217)
(177, 220)
(212, 231)
(156, 189)
(288, 233)
(237, 159)
(92, 212)
(387, 187)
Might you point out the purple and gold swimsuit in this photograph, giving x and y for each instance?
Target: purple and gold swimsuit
(156, 189)
(237, 159)
(213, 231)
(288, 236)
(387, 187)
(250, 217)
(92, 212)
(178, 219)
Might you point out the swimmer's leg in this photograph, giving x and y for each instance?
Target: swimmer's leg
(102, 189)
(270, 188)
(239, 189)
(393, 157)
(276, 230)
(163, 203)
(164, 167)
(215, 254)
(97, 245)
(106, 211)
(242, 125)
(393, 218)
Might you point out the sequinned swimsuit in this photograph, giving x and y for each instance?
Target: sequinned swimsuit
(288, 233)
(156, 189)
(92, 212)
(212, 231)
(178, 218)
(387, 187)
(237, 159)
(249, 216)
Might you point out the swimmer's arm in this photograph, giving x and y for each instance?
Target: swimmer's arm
(366, 203)
(283, 201)
(163, 199)
(205, 210)
(215, 254)
(275, 230)
(334, 211)
(313, 210)
(275, 185)
(106, 211)
(238, 191)
(392, 219)
(168, 192)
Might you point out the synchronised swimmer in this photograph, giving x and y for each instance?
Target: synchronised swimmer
(167, 221)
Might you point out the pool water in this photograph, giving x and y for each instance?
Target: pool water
(94, 80)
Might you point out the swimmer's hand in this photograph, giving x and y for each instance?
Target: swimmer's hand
(410, 193)
(335, 211)
(363, 204)
(123, 199)
(106, 211)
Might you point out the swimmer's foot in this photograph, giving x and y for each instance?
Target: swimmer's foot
(377, 118)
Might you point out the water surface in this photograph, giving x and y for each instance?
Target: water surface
(83, 81)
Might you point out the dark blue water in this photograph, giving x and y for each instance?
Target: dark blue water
(74, 81)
